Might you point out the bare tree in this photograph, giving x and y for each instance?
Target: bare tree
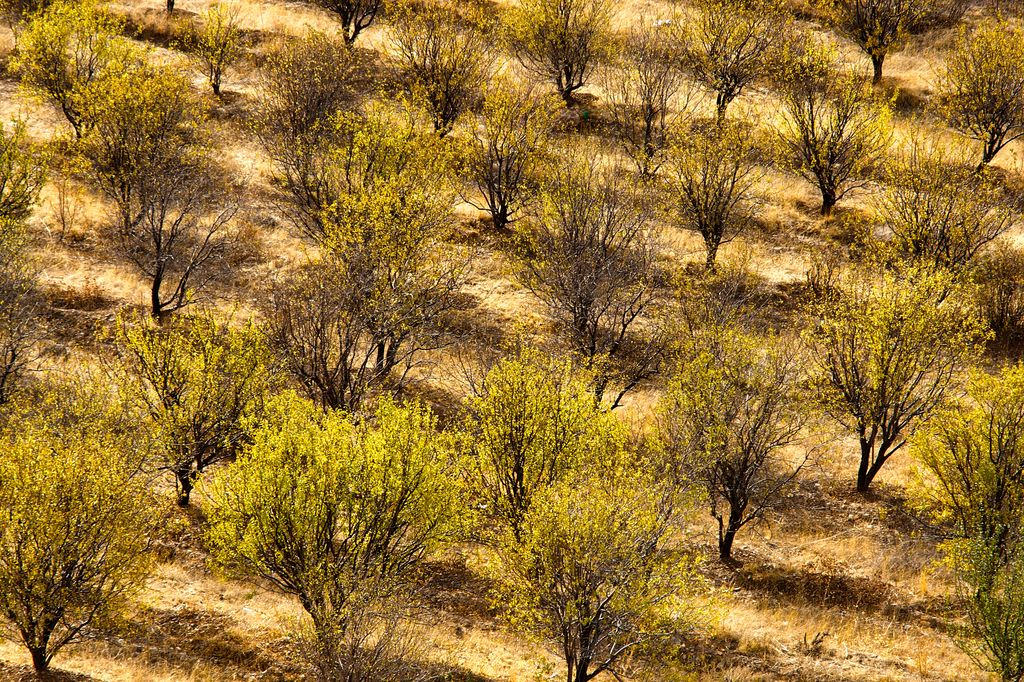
(303, 86)
(642, 94)
(355, 15)
(589, 257)
(833, 127)
(508, 149)
(728, 44)
(731, 409)
(444, 64)
(713, 176)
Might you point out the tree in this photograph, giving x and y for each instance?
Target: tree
(22, 172)
(728, 44)
(66, 55)
(216, 43)
(833, 129)
(991, 592)
(302, 88)
(589, 258)
(713, 177)
(973, 456)
(77, 525)
(886, 353)
(443, 65)
(731, 409)
(981, 86)
(641, 95)
(383, 292)
(941, 211)
(22, 175)
(356, 15)
(507, 152)
(336, 513)
(593, 573)
(879, 27)
(531, 422)
(198, 385)
(147, 154)
(560, 41)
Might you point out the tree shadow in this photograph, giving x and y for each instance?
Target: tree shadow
(25, 673)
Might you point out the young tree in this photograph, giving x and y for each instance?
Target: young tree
(560, 41)
(76, 522)
(589, 258)
(527, 426)
(879, 27)
(336, 514)
(886, 353)
(973, 455)
(302, 88)
(593, 573)
(443, 65)
(731, 408)
(147, 154)
(728, 44)
(641, 93)
(991, 592)
(981, 86)
(507, 152)
(940, 210)
(216, 43)
(713, 176)
(197, 384)
(833, 128)
(384, 290)
(22, 175)
(66, 54)
(356, 15)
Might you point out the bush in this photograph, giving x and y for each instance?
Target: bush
(336, 514)
(1000, 294)
(198, 385)
(528, 426)
(77, 522)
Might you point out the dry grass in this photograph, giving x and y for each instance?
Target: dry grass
(828, 562)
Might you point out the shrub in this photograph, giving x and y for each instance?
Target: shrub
(336, 514)
(77, 523)
(197, 385)
(560, 41)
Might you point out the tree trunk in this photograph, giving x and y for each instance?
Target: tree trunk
(216, 88)
(186, 482)
(725, 545)
(709, 262)
(864, 475)
(828, 202)
(156, 309)
(876, 63)
(170, 5)
(39, 660)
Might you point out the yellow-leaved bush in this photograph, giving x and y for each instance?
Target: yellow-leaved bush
(76, 519)
(533, 421)
(594, 573)
(334, 512)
